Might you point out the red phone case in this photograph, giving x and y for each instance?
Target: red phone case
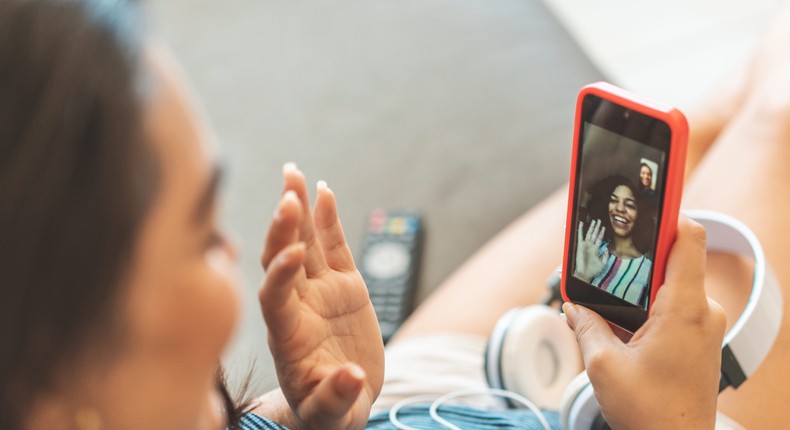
(673, 188)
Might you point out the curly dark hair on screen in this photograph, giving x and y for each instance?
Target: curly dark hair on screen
(598, 208)
(76, 182)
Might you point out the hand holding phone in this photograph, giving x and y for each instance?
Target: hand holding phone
(672, 355)
(623, 203)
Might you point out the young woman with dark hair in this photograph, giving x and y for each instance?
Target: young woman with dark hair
(645, 177)
(119, 292)
(612, 252)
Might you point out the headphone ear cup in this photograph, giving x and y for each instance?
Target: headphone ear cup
(580, 409)
(492, 357)
(533, 352)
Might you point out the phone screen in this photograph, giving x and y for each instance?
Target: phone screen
(621, 171)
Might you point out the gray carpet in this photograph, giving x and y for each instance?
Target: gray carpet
(461, 109)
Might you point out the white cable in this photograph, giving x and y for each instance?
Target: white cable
(491, 391)
(393, 415)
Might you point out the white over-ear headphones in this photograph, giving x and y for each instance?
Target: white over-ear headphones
(532, 352)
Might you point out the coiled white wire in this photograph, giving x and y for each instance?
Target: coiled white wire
(393, 415)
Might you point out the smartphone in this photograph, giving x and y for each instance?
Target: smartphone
(626, 183)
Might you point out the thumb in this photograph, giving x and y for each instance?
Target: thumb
(333, 397)
(595, 336)
(605, 255)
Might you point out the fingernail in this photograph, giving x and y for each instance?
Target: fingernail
(289, 167)
(352, 378)
(356, 372)
(290, 195)
(298, 247)
(321, 184)
(292, 251)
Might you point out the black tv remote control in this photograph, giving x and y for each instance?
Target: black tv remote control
(390, 265)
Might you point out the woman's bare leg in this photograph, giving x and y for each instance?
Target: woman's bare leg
(746, 175)
(707, 120)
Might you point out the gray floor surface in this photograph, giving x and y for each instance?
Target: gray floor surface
(460, 109)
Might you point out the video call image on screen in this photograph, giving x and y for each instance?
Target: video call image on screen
(619, 186)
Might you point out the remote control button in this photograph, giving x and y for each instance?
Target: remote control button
(387, 260)
(411, 228)
(397, 226)
(390, 302)
(402, 279)
(395, 289)
(392, 310)
(376, 225)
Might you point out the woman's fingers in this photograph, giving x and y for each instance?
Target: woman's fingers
(683, 288)
(278, 298)
(330, 232)
(333, 398)
(593, 231)
(605, 256)
(599, 238)
(315, 263)
(589, 231)
(596, 340)
(323, 236)
(283, 230)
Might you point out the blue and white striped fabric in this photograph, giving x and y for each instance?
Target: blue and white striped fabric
(464, 417)
(626, 278)
(251, 421)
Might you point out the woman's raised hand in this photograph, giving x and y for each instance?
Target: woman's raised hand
(590, 261)
(323, 333)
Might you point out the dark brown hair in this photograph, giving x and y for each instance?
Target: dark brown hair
(76, 180)
(599, 209)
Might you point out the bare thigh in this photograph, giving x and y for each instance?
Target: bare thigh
(746, 175)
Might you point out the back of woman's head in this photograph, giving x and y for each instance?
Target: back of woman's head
(75, 182)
